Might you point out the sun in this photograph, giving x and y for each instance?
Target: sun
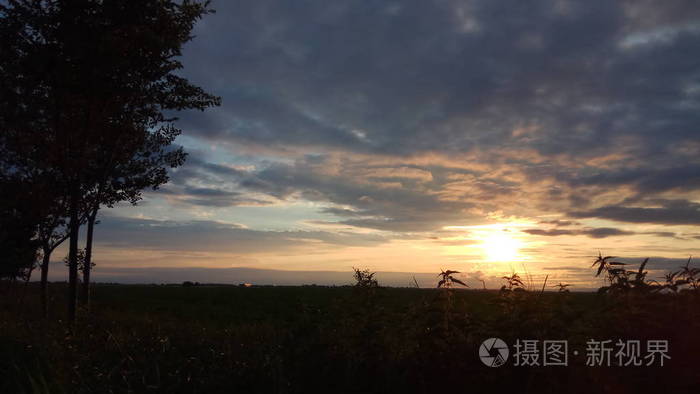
(501, 246)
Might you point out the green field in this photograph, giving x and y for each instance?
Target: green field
(204, 339)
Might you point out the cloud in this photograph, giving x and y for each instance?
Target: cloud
(360, 78)
(604, 232)
(201, 183)
(212, 236)
(209, 197)
(402, 203)
(549, 233)
(599, 232)
(671, 212)
(647, 180)
(560, 223)
(546, 108)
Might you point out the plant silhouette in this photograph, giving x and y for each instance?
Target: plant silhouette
(447, 280)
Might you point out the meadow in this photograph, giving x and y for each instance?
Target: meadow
(361, 339)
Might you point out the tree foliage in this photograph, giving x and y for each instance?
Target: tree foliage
(87, 91)
(18, 224)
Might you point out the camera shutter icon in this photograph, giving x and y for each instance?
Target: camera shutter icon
(493, 352)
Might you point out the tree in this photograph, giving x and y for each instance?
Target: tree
(93, 80)
(364, 278)
(51, 233)
(146, 169)
(18, 226)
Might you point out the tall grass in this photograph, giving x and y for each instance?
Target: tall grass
(362, 338)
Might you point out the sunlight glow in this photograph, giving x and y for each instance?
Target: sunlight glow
(497, 242)
(501, 247)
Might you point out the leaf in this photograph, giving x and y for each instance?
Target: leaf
(460, 282)
(641, 274)
(600, 269)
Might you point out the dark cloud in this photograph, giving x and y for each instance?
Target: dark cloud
(209, 197)
(647, 180)
(600, 232)
(203, 183)
(603, 232)
(376, 203)
(210, 236)
(416, 75)
(664, 234)
(549, 233)
(592, 97)
(673, 212)
(196, 162)
(560, 223)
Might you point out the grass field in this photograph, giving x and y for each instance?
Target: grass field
(205, 339)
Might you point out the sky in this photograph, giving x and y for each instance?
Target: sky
(407, 137)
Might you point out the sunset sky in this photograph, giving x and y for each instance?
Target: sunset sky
(413, 136)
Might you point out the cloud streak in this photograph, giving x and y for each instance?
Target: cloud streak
(675, 212)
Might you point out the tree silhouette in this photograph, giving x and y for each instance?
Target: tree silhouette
(51, 233)
(146, 169)
(364, 278)
(18, 224)
(92, 81)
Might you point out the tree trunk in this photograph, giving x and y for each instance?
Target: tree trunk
(87, 264)
(73, 257)
(45, 282)
(26, 284)
(11, 287)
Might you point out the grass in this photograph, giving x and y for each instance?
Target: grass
(207, 339)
